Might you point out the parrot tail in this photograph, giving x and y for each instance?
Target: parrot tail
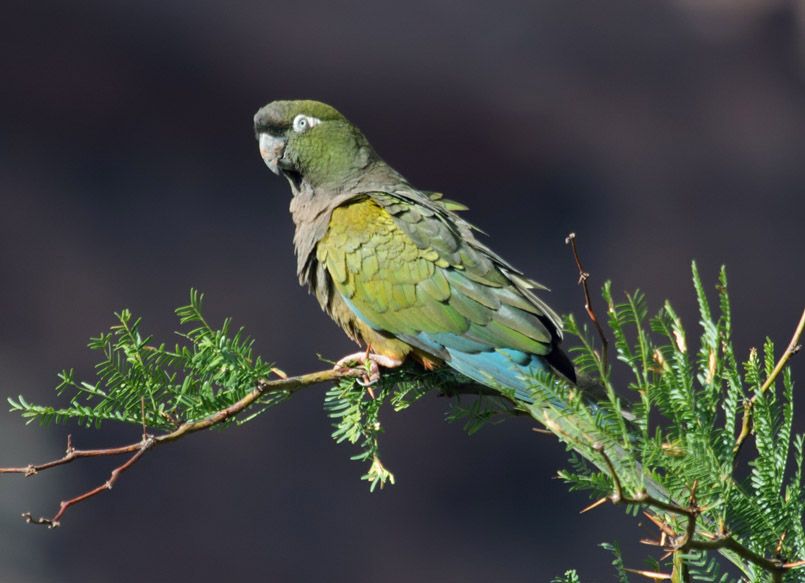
(513, 369)
(504, 367)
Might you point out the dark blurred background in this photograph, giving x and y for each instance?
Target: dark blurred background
(658, 131)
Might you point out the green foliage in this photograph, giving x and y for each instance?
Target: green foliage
(140, 381)
(478, 412)
(702, 566)
(356, 416)
(568, 577)
(149, 384)
(617, 561)
(688, 401)
(355, 411)
(688, 409)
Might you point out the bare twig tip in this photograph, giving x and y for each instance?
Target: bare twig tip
(584, 276)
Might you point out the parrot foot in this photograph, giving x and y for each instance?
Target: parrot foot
(372, 361)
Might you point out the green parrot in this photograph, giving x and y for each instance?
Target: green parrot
(395, 266)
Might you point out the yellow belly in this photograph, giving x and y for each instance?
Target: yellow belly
(366, 225)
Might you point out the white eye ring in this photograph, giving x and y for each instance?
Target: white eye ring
(302, 122)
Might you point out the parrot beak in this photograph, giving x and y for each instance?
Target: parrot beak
(271, 149)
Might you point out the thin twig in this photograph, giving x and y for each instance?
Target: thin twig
(71, 455)
(149, 442)
(55, 522)
(792, 348)
(588, 305)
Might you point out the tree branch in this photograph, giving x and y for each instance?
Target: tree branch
(584, 433)
(722, 541)
(792, 348)
(149, 442)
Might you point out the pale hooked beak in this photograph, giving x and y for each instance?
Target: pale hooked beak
(272, 149)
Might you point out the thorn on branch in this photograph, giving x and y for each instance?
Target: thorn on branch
(142, 415)
(279, 372)
(653, 575)
(541, 431)
(594, 505)
(794, 565)
(665, 528)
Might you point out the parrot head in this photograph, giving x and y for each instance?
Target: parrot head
(310, 142)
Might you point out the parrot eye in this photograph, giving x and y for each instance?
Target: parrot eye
(302, 122)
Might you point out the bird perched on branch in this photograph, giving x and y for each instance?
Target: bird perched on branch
(395, 266)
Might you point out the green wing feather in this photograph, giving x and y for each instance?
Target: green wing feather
(408, 270)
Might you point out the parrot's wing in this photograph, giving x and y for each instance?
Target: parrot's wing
(415, 211)
(409, 270)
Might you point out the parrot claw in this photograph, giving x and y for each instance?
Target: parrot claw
(368, 380)
(371, 361)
